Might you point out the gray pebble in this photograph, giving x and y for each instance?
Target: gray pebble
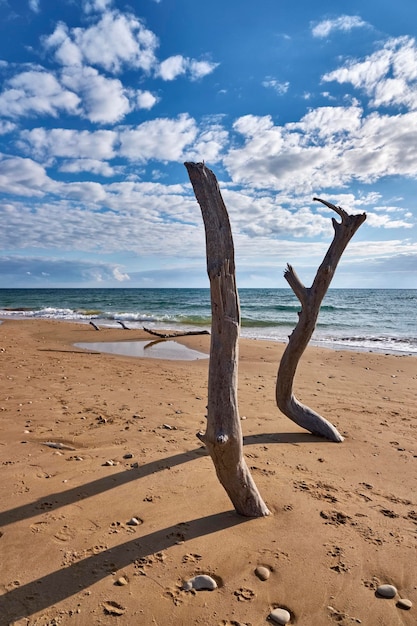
(128, 455)
(404, 604)
(134, 521)
(280, 616)
(200, 582)
(263, 573)
(386, 591)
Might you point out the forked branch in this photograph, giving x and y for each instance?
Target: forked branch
(311, 299)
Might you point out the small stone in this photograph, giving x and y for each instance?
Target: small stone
(128, 455)
(404, 604)
(108, 463)
(200, 583)
(134, 521)
(280, 616)
(386, 591)
(263, 573)
(121, 581)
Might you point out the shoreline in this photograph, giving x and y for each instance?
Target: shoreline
(317, 343)
(344, 516)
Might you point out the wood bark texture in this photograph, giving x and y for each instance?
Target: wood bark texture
(310, 299)
(223, 436)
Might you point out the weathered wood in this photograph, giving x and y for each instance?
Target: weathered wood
(174, 334)
(223, 436)
(94, 326)
(310, 299)
(123, 325)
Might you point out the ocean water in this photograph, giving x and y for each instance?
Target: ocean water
(375, 320)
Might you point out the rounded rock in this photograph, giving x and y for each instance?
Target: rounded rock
(404, 604)
(280, 616)
(386, 591)
(263, 573)
(200, 583)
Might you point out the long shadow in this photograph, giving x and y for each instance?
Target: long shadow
(54, 501)
(52, 588)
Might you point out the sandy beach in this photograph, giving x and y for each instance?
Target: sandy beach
(109, 502)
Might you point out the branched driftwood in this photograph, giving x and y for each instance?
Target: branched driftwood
(310, 299)
(223, 436)
(174, 334)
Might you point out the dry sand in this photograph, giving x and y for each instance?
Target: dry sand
(344, 516)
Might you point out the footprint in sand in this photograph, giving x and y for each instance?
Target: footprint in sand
(65, 534)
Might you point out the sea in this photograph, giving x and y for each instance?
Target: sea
(373, 320)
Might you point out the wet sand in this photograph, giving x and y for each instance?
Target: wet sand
(89, 441)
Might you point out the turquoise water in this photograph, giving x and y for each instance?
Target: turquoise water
(360, 319)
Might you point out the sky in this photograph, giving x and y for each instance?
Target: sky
(102, 102)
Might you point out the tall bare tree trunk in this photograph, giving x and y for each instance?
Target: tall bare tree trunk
(223, 436)
(310, 299)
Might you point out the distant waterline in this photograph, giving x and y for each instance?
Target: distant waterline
(376, 320)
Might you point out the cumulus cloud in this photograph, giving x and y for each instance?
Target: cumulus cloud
(276, 85)
(87, 165)
(91, 6)
(328, 147)
(161, 138)
(24, 177)
(343, 23)
(61, 142)
(36, 92)
(388, 76)
(178, 65)
(104, 100)
(117, 40)
(145, 99)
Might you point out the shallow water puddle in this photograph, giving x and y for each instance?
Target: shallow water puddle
(169, 350)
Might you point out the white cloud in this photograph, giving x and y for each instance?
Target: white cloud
(60, 142)
(91, 6)
(6, 127)
(276, 85)
(104, 100)
(172, 67)
(87, 165)
(199, 69)
(388, 76)
(24, 177)
(178, 65)
(343, 23)
(115, 41)
(329, 147)
(146, 99)
(36, 92)
(161, 138)
(34, 6)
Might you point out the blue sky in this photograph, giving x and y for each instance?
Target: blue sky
(102, 101)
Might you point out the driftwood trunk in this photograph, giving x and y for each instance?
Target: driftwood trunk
(223, 436)
(310, 299)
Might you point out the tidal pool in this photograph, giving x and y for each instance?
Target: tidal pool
(169, 350)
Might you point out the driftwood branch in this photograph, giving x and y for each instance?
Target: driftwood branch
(175, 333)
(94, 325)
(310, 299)
(123, 325)
(223, 436)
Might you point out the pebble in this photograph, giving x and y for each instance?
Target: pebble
(263, 573)
(134, 521)
(128, 455)
(386, 591)
(280, 616)
(121, 581)
(404, 604)
(200, 582)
